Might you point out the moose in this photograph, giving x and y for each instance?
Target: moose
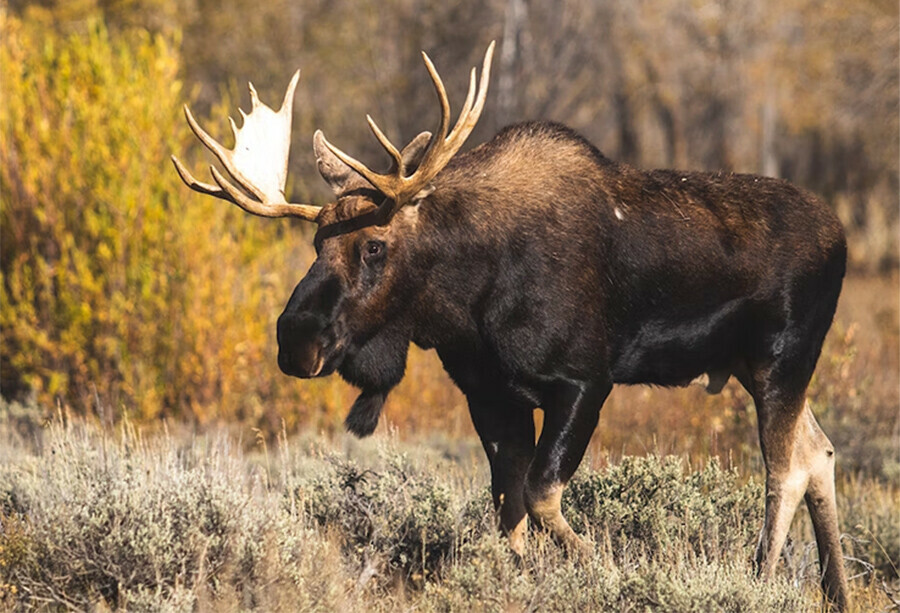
(543, 273)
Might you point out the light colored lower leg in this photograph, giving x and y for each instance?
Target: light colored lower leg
(517, 537)
(785, 443)
(822, 505)
(547, 513)
(806, 470)
(783, 494)
(513, 522)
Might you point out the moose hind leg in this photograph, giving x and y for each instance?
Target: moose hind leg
(799, 462)
(570, 418)
(820, 500)
(786, 482)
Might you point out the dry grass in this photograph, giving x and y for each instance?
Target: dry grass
(95, 519)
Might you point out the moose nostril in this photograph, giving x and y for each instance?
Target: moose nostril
(298, 329)
(304, 363)
(300, 345)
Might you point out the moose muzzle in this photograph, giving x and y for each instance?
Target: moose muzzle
(307, 341)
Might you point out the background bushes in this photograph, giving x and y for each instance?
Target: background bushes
(88, 295)
(115, 284)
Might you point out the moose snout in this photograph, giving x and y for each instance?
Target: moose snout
(302, 347)
(307, 344)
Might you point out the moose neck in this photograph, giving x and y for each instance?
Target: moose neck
(494, 243)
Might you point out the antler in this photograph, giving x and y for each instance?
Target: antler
(441, 148)
(258, 162)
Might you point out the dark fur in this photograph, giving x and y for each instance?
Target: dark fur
(364, 414)
(543, 273)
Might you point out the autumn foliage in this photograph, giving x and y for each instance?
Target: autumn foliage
(122, 292)
(117, 287)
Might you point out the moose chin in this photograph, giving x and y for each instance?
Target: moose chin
(543, 273)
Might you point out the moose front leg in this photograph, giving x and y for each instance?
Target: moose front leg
(507, 434)
(571, 411)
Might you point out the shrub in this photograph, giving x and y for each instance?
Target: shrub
(869, 512)
(657, 502)
(485, 578)
(119, 287)
(172, 523)
(400, 518)
(148, 526)
(85, 295)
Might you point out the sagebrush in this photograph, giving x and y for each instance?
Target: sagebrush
(181, 523)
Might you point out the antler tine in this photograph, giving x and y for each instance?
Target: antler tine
(472, 112)
(287, 105)
(437, 148)
(386, 184)
(485, 78)
(441, 147)
(258, 162)
(275, 209)
(470, 96)
(387, 144)
(194, 184)
(442, 98)
(441, 151)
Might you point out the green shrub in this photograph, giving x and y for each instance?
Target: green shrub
(174, 523)
(149, 526)
(402, 516)
(485, 578)
(657, 502)
(869, 512)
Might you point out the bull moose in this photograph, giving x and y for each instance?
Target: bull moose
(543, 273)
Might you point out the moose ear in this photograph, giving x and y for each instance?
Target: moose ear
(412, 156)
(413, 153)
(336, 173)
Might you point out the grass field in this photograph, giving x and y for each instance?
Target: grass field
(94, 519)
(164, 518)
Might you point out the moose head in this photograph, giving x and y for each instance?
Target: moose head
(349, 312)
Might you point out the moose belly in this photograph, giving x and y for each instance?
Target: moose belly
(676, 353)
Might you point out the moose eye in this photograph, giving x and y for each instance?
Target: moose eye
(372, 251)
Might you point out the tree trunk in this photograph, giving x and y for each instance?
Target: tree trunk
(507, 100)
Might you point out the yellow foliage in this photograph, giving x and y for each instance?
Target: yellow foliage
(123, 290)
(119, 288)
(15, 549)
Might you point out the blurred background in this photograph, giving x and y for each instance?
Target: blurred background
(125, 295)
